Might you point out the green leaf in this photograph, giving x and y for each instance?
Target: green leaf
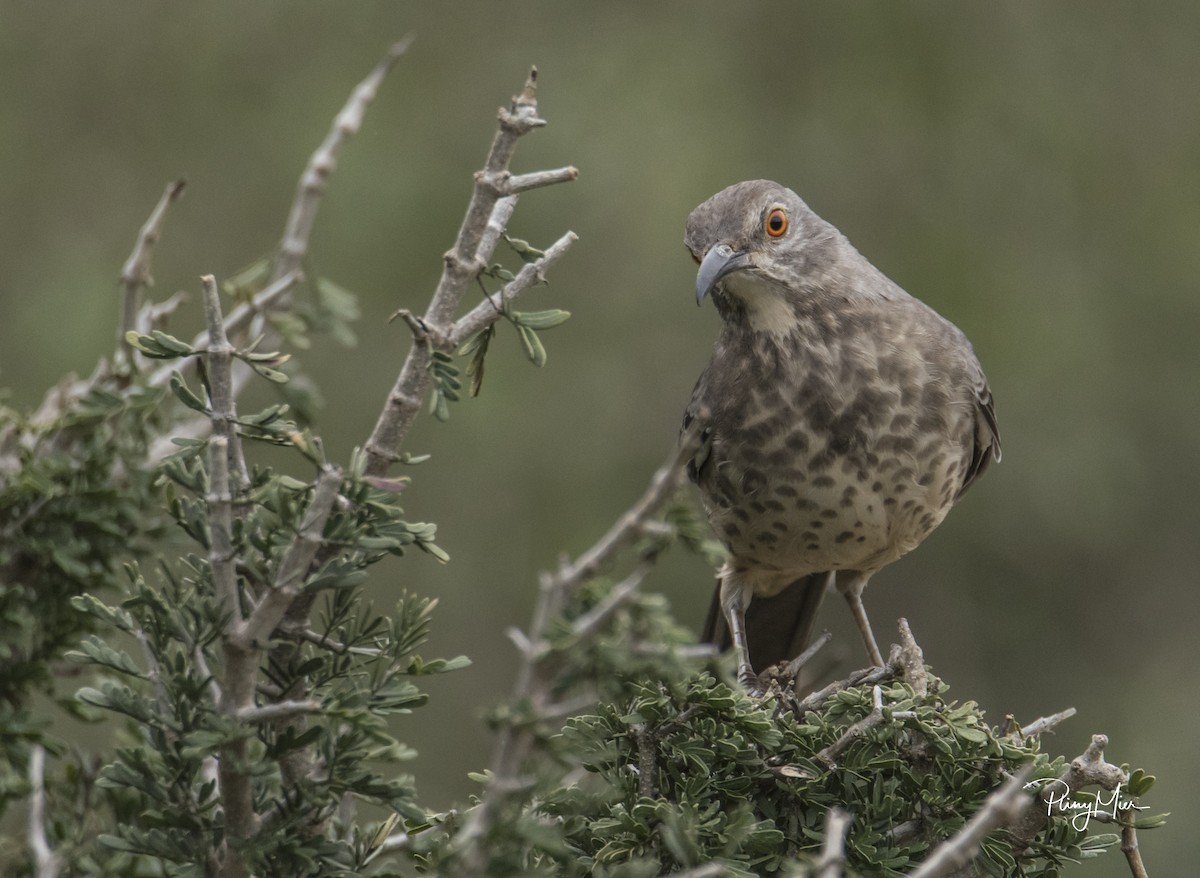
(1152, 822)
(150, 347)
(540, 319)
(93, 650)
(435, 550)
(171, 343)
(270, 374)
(524, 249)
(533, 345)
(185, 395)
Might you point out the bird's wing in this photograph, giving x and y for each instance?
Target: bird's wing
(697, 409)
(987, 434)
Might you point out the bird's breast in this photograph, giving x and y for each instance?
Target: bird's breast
(828, 454)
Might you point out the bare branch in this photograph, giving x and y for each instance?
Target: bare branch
(912, 661)
(462, 265)
(495, 227)
(590, 622)
(488, 311)
(514, 184)
(534, 683)
(220, 384)
(1046, 723)
(1129, 847)
(311, 187)
(289, 579)
(630, 526)
(857, 730)
(1000, 809)
(814, 700)
(1087, 769)
(135, 274)
(238, 318)
(46, 862)
(220, 539)
(795, 665)
(833, 852)
(278, 711)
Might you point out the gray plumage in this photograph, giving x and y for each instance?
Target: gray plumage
(843, 416)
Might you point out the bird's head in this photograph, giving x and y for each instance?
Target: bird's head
(753, 240)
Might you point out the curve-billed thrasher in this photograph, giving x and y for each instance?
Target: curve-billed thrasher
(843, 419)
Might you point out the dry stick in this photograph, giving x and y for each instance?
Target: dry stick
(238, 318)
(220, 541)
(240, 670)
(220, 383)
(311, 187)
(135, 274)
(488, 311)
(462, 265)
(1087, 769)
(814, 700)
(912, 661)
(833, 852)
(277, 711)
(797, 664)
(46, 862)
(533, 684)
(294, 567)
(1046, 723)
(1001, 807)
(857, 730)
(1129, 847)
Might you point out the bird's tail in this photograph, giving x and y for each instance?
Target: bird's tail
(777, 628)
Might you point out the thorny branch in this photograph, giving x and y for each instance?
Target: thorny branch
(135, 274)
(461, 265)
(46, 862)
(534, 678)
(311, 188)
(833, 852)
(1001, 807)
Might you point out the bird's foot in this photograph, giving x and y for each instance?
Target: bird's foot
(755, 685)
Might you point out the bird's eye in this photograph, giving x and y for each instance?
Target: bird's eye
(776, 222)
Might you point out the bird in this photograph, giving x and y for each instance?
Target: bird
(839, 420)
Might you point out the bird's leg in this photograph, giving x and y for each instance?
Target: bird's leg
(733, 603)
(851, 584)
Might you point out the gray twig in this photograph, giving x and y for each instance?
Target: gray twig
(46, 862)
(647, 751)
(278, 711)
(289, 579)
(1129, 847)
(223, 413)
(310, 189)
(135, 274)
(461, 265)
(814, 700)
(857, 730)
(1046, 723)
(912, 661)
(1000, 809)
(534, 682)
(797, 664)
(833, 851)
(1087, 769)
(488, 311)
(238, 318)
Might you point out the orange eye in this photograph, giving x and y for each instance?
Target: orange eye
(776, 223)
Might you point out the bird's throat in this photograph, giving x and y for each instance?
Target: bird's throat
(765, 308)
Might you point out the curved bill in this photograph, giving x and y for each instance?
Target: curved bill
(718, 262)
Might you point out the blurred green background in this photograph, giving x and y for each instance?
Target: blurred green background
(1030, 170)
